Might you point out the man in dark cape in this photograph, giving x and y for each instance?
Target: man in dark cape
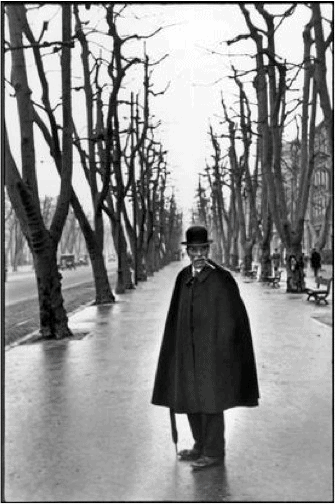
(206, 363)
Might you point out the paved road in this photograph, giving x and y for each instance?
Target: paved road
(21, 285)
(79, 425)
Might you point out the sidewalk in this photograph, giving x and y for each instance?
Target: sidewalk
(79, 425)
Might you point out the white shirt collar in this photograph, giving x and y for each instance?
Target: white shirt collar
(194, 271)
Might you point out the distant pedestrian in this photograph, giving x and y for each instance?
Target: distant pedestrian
(275, 260)
(206, 363)
(315, 261)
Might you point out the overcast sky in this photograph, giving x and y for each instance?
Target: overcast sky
(198, 67)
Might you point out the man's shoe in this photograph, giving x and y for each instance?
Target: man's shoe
(189, 454)
(204, 462)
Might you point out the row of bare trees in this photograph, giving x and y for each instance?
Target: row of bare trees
(114, 137)
(247, 180)
(16, 248)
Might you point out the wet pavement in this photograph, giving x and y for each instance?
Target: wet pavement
(79, 425)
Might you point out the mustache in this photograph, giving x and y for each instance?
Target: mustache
(205, 261)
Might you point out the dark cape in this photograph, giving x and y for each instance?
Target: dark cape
(206, 362)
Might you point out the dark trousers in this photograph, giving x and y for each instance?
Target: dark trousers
(208, 433)
(316, 270)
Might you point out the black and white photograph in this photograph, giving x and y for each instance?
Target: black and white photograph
(167, 252)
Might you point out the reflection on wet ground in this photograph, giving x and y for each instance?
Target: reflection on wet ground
(79, 425)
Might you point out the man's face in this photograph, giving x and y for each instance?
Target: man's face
(198, 255)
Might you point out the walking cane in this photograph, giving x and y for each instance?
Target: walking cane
(174, 431)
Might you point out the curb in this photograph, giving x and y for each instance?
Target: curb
(29, 336)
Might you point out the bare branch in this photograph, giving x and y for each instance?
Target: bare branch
(238, 38)
(58, 45)
(157, 93)
(154, 63)
(141, 37)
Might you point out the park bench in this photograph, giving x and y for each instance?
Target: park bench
(274, 280)
(251, 273)
(319, 294)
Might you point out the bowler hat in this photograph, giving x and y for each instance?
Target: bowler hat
(196, 235)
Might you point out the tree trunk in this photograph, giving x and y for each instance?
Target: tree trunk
(157, 259)
(266, 270)
(53, 317)
(16, 255)
(142, 275)
(141, 263)
(150, 257)
(123, 271)
(247, 249)
(295, 270)
(91, 241)
(103, 291)
(234, 255)
(227, 243)
(322, 238)
(216, 247)
(19, 80)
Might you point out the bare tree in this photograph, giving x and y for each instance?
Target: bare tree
(271, 84)
(173, 228)
(50, 131)
(245, 190)
(106, 162)
(217, 196)
(126, 156)
(320, 67)
(321, 191)
(23, 190)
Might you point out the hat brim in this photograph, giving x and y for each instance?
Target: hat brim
(196, 244)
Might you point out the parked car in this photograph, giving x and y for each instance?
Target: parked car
(82, 261)
(67, 261)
